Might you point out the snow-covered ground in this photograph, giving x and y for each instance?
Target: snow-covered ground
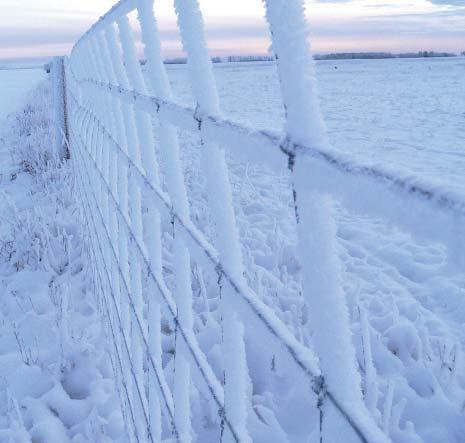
(406, 299)
(55, 379)
(406, 114)
(14, 85)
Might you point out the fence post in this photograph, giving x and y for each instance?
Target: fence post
(59, 108)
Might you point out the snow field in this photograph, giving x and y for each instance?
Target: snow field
(406, 294)
(56, 381)
(405, 115)
(14, 85)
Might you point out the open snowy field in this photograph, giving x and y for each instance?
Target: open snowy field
(405, 295)
(14, 85)
(404, 113)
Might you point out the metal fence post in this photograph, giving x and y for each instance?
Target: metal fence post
(59, 108)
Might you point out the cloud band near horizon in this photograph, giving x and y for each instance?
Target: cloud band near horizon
(361, 25)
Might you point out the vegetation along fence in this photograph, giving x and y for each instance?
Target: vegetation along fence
(130, 201)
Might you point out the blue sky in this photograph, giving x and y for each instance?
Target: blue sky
(31, 28)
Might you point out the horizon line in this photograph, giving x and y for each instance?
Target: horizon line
(251, 54)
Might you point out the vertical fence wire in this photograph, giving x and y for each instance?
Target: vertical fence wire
(322, 284)
(203, 85)
(104, 285)
(135, 202)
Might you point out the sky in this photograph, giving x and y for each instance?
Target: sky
(43, 28)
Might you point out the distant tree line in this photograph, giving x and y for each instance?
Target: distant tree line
(228, 59)
(249, 58)
(331, 56)
(380, 55)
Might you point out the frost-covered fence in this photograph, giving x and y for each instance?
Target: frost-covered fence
(59, 111)
(128, 208)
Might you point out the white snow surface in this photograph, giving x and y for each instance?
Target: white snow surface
(55, 378)
(14, 85)
(406, 298)
(403, 114)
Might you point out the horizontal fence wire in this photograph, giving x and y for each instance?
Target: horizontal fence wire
(270, 146)
(110, 147)
(91, 225)
(301, 355)
(295, 349)
(197, 355)
(274, 324)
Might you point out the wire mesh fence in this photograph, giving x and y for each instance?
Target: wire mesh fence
(128, 208)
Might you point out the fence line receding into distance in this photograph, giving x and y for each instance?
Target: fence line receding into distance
(126, 210)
